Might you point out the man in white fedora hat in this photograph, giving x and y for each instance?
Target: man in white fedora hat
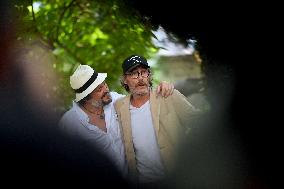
(93, 116)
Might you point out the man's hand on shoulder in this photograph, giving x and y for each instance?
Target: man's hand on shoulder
(165, 89)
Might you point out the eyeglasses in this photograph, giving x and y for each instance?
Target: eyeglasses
(135, 75)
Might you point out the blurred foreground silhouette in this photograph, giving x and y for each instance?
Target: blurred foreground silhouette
(231, 147)
(34, 153)
(235, 144)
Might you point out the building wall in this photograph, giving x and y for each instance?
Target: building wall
(175, 68)
(186, 73)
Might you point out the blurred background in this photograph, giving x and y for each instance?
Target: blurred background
(215, 53)
(59, 35)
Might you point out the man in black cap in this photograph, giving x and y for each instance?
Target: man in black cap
(152, 127)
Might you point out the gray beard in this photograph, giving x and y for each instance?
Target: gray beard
(100, 103)
(97, 104)
(107, 102)
(140, 93)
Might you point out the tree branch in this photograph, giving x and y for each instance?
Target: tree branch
(61, 17)
(33, 13)
(70, 52)
(47, 43)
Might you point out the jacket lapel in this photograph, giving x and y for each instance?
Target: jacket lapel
(126, 121)
(155, 110)
(127, 134)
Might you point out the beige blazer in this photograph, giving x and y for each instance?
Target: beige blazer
(171, 119)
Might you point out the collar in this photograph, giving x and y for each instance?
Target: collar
(82, 115)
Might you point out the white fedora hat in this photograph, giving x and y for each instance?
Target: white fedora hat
(84, 80)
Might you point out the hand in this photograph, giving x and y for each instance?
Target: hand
(165, 89)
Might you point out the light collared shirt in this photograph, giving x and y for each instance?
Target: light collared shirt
(75, 122)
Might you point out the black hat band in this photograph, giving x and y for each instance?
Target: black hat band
(87, 84)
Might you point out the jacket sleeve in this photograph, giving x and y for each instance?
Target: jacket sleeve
(186, 112)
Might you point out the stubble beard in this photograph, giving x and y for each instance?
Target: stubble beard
(102, 102)
(97, 103)
(108, 100)
(144, 92)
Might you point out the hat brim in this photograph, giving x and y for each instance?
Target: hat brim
(136, 65)
(100, 78)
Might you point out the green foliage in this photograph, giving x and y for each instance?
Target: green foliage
(100, 33)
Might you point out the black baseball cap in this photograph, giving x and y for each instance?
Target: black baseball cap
(133, 61)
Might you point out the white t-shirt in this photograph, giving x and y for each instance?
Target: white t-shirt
(149, 163)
